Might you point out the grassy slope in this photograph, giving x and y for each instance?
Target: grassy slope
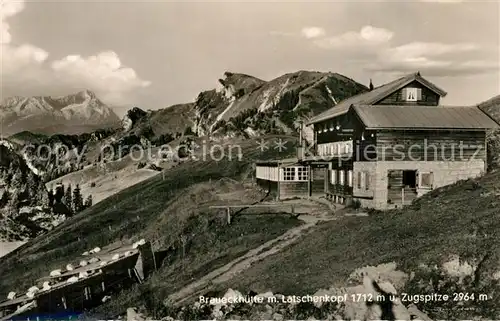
(490, 107)
(209, 249)
(109, 178)
(159, 207)
(460, 219)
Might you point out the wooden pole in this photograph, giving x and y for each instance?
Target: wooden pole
(485, 154)
(154, 256)
(228, 211)
(279, 182)
(327, 179)
(403, 196)
(309, 172)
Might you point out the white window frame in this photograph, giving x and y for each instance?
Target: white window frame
(289, 173)
(413, 91)
(420, 183)
(302, 173)
(296, 174)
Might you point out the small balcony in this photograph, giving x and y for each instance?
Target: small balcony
(341, 148)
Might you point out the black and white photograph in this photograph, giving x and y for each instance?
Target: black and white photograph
(249, 160)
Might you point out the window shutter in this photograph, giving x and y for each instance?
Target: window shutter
(404, 94)
(419, 94)
(367, 180)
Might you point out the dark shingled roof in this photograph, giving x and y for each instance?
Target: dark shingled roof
(424, 117)
(373, 96)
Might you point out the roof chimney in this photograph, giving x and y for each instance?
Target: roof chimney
(371, 85)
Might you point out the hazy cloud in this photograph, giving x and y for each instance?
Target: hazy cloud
(443, 1)
(14, 58)
(102, 71)
(436, 68)
(372, 48)
(417, 50)
(28, 65)
(8, 9)
(313, 32)
(282, 33)
(436, 59)
(368, 35)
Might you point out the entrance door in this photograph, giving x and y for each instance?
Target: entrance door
(319, 174)
(402, 186)
(409, 193)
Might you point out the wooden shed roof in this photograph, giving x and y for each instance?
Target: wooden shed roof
(424, 117)
(374, 96)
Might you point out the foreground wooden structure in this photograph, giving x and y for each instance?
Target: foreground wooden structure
(85, 286)
(228, 209)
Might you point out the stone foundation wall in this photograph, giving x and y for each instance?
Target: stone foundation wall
(444, 173)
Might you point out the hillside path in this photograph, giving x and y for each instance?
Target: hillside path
(242, 263)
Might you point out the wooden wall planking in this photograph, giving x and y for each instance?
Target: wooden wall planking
(431, 145)
(429, 98)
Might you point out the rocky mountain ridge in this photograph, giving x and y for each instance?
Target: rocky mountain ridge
(75, 113)
(245, 104)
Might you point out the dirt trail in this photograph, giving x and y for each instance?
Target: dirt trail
(242, 263)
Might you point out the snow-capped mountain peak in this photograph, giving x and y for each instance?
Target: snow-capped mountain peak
(47, 114)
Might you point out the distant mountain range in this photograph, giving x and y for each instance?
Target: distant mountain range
(72, 114)
(241, 104)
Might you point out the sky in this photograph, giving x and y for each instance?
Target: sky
(154, 54)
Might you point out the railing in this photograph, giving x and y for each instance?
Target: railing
(242, 207)
(335, 148)
(340, 189)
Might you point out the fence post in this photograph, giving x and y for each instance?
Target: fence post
(228, 210)
(63, 299)
(403, 196)
(154, 256)
(278, 185)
